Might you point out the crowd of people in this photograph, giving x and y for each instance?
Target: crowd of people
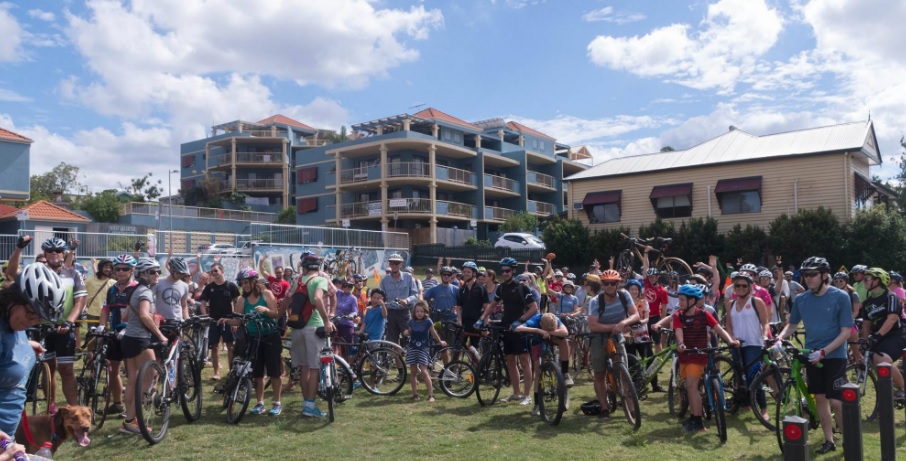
(749, 308)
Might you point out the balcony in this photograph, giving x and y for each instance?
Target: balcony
(540, 208)
(541, 181)
(455, 175)
(356, 175)
(455, 209)
(505, 186)
(162, 209)
(497, 214)
(248, 158)
(409, 205)
(253, 185)
(361, 210)
(408, 170)
(400, 206)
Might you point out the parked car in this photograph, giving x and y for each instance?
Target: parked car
(219, 249)
(519, 240)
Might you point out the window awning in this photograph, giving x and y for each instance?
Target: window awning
(671, 190)
(864, 186)
(738, 184)
(600, 198)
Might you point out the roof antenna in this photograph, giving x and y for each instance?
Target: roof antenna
(418, 105)
(869, 115)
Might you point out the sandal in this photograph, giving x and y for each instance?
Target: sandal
(430, 398)
(215, 378)
(416, 398)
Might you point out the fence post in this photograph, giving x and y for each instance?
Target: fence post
(885, 412)
(795, 438)
(852, 423)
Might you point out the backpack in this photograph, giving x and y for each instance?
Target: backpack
(300, 307)
(622, 295)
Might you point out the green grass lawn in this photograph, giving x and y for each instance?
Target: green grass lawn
(369, 427)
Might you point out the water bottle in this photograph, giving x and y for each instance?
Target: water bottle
(171, 373)
(46, 452)
(474, 352)
(19, 456)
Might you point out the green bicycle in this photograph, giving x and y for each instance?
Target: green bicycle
(794, 398)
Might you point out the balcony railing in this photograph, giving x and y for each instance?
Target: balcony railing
(458, 209)
(500, 182)
(354, 175)
(409, 205)
(493, 212)
(261, 158)
(406, 205)
(253, 185)
(162, 209)
(408, 169)
(540, 208)
(540, 179)
(454, 175)
(360, 209)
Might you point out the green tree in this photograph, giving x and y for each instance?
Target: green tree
(659, 228)
(568, 238)
(144, 189)
(603, 244)
(807, 233)
(334, 138)
(522, 221)
(748, 244)
(103, 207)
(876, 237)
(696, 239)
(286, 216)
(63, 178)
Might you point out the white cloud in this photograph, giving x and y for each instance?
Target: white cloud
(11, 32)
(726, 46)
(575, 130)
(12, 96)
(42, 15)
(606, 14)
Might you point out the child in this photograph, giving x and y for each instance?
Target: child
(420, 331)
(544, 326)
(375, 316)
(640, 343)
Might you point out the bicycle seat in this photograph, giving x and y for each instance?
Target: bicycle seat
(664, 241)
(321, 332)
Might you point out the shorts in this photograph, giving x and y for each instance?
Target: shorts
(599, 353)
(696, 370)
(217, 332)
(133, 346)
(114, 350)
(892, 345)
(269, 357)
(514, 343)
(828, 379)
(61, 346)
(306, 348)
(655, 335)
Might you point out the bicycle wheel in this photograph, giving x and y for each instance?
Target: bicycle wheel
(790, 402)
(382, 372)
(152, 406)
(868, 395)
(40, 389)
(490, 379)
(625, 261)
(636, 371)
(101, 397)
(190, 382)
(673, 264)
(328, 374)
(551, 394)
(766, 388)
(239, 398)
(342, 382)
(720, 416)
(677, 402)
(628, 396)
(733, 383)
(457, 379)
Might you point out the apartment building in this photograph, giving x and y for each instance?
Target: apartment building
(15, 169)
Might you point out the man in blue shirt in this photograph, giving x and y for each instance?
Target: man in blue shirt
(826, 313)
(443, 302)
(400, 293)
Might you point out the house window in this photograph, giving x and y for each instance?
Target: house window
(306, 175)
(603, 207)
(740, 195)
(673, 201)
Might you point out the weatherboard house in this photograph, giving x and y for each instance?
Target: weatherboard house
(735, 178)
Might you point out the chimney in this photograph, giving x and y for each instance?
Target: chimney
(733, 128)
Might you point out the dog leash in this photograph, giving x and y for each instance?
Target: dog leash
(54, 437)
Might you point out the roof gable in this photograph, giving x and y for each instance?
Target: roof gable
(516, 126)
(43, 210)
(284, 120)
(6, 135)
(436, 115)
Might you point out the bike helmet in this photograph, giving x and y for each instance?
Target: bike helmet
(878, 273)
(894, 275)
(53, 244)
(178, 266)
(841, 275)
(593, 278)
(637, 283)
(652, 271)
(690, 291)
(611, 275)
(446, 270)
(571, 276)
(742, 275)
(146, 264)
(815, 263)
(511, 262)
(313, 261)
(591, 408)
(247, 273)
(409, 269)
(358, 277)
(569, 283)
(558, 273)
(43, 289)
(698, 278)
(395, 257)
(470, 265)
(858, 269)
(765, 273)
(126, 260)
(749, 268)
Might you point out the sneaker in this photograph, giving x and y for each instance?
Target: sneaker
(276, 409)
(356, 385)
(114, 409)
(698, 426)
(568, 381)
(258, 409)
(513, 398)
(687, 424)
(313, 412)
(827, 447)
(536, 411)
(657, 388)
(604, 414)
(131, 427)
(526, 401)
(899, 395)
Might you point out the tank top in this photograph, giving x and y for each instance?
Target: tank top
(746, 326)
(268, 325)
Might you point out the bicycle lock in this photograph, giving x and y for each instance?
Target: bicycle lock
(885, 412)
(795, 439)
(852, 423)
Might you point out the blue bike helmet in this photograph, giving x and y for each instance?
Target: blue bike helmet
(690, 291)
(470, 265)
(635, 282)
(511, 262)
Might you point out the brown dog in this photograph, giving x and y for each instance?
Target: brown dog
(69, 422)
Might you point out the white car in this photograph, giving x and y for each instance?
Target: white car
(219, 249)
(519, 240)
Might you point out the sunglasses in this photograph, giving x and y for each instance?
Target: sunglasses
(741, 286)
(122, 269)
(58, 251)
(609, 284)
(810, 274)
(506, 271)
(153, 272)
(395, 263)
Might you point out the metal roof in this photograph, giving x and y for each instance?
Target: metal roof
(737, 145)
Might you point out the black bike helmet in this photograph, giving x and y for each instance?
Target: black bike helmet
(815, 263)
(591, 408)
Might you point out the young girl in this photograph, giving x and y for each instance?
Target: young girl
(420, 331)
(641, 341)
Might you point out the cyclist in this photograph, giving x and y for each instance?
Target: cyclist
(544, 326)
(375, 316)
(826, 313)
(429, 281)
(882, 323)
(257, 298)
(36, 296)
(471, 300)
(858, 274)
(360, 291)
(401, 292)
(62, 341)
(217, 299)
(657, 298)
(609, 313)
(841, 282)
(567, 305)
(171, 294)
(896, 287)
(443, 301)
(690, 324)
(747, 321)
(641, 341)
(347, 306)
(116, 300)
(141, 327)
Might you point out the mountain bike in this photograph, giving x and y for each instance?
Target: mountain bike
(458, 350)
(40, 390)
(620, 389)
(456, 378)
(93, 381)
(331, 386)
(380, 366)
(492, 369)
(767, 385)
(579, 346)
(645, 370)
(195, 330)
(551, 387)
(238, 386)
(714, 402)
(630, 259)
(865, 375)
(795, 399)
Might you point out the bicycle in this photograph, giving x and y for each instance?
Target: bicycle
(630, 259)
(93, 382)
(195, 330)
(645, 370)
(40, 390)
(767, 381)
(579, 346)
(492, 370)
(714, 402)
(376, 363)
(238, 386)
(864, 373)
(455, 378)
(458, 349)
(169, 378)
(620, 388)
(331, 386)
(551, 390)
(795, 399)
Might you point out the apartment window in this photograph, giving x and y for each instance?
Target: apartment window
(307, 205)
(188, 161)
(603, 207)
(673, 201)
(306, 175)
(541, 145)
(740, 195)
(187, 184)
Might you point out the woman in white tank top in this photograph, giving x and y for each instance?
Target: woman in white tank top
(748, 322)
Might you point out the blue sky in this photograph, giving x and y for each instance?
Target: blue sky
(115, 87)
